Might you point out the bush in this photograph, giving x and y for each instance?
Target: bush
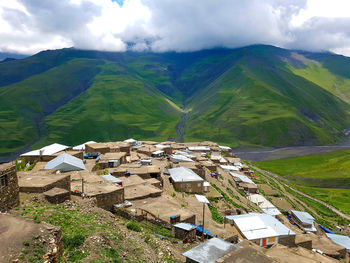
(133, 225)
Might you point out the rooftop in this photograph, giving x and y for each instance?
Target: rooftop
(210, 251)
(47, 150)
(243, 178)
(182, 174)
(255, 226)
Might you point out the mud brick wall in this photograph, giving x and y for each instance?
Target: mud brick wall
(107, 200)
(63, 183)
(287, 240)
(9, 190)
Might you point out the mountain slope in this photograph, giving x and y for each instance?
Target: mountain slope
(257, 95)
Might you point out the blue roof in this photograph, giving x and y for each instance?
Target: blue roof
(200, 229)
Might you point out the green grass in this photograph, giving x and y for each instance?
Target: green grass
(323, 176)
(215, 215)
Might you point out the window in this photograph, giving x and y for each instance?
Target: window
(3, 180)
(199, 185)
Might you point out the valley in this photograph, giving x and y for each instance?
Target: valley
(255, 96)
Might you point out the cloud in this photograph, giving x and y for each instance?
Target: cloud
(28, 26)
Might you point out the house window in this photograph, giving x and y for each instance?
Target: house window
(199, 185)
(3, 181)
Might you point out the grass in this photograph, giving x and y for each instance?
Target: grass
(215, 215)
(322, 176)
(77, 226)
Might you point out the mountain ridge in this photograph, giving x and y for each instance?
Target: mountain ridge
(254, 96)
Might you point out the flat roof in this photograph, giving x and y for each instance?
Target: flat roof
(210, 251)
(111, 179)
(47, 150)
(256, 226)
(229, 167)
(184, 226)
(38, 179)
(243, 178)
(182, 174)
(112, 156)
(94, 189)
(199, 148)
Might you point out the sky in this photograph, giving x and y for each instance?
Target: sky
(30, 26)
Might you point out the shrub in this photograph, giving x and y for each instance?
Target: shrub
(133, 225)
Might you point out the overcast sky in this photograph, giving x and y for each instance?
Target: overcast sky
(29, 26)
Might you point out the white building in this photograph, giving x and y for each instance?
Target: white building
(65, 163)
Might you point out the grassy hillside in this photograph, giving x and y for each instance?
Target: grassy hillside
(252, 96)
(116, 106)
(259, 101)
(317, 175)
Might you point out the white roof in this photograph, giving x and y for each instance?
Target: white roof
(111, 179)
(264, 204)
(162, 146)
(210, 251)
(184, 153)
(158, 152)
(199, 148)
(184, 226)
(81, 147)
(182, 174)
(179, 158)
(131, 140)
(306, 219)
(224, 147)
(255, 226)
(341, 240)
(202, 199)
(243, 178)
(65, 163)
(229, 168)
(206, 184)
(47, 150)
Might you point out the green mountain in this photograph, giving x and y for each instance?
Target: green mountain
(252, 96)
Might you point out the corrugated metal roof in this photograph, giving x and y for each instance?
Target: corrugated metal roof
(229, 167)
(304, 217)
(111, 179)
(202, 199)
(224, 147)
(65, 163)
(210, 251)
(182, 174)
(242, 177)
(255, 226)
(81, 147)
(184, 226)
(341, 240)
(47, 150)
(199, 148)
(179, 158)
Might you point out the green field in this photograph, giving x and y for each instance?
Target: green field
(323, 176)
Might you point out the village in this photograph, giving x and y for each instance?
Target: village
(200, 191)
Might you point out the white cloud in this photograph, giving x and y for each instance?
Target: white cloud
(28, 26)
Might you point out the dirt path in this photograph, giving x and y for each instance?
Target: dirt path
(267, 173)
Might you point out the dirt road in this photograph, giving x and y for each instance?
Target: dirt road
(281, 179)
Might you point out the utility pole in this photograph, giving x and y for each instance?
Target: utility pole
(203, 222)
(82, 186)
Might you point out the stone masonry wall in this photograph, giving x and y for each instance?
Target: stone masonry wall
(9, 190)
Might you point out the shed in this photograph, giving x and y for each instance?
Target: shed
(184, 231)
(65, 163)
(209, 251)
(305, 220)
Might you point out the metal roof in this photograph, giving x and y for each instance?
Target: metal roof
(179, 158)
(224, 147)
(199, 148)
(111, 179)
(264, 204)
(47, 150)
(243, 178)
(65, 163)
(158, 152)
(255, 226)
(341, 240)
(303, 217)
(182, 174)
(210, 251)
(230, 167)
(81, 147)
(184, 226)
(202, 199)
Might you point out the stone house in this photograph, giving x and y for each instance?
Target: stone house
(9, 190)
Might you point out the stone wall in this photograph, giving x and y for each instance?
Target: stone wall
(107, 200)
(9, 190)
(287, 240)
